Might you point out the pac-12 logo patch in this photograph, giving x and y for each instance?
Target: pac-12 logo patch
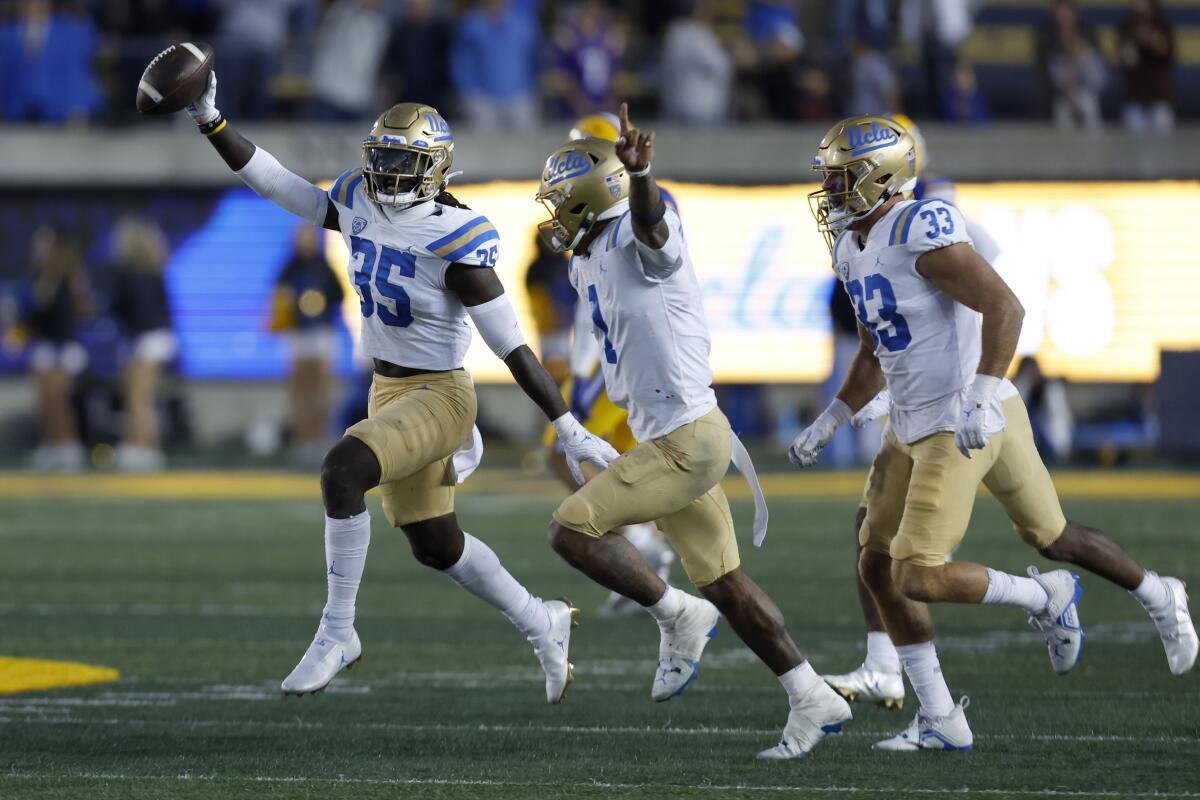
(358, 225)
(843, 270)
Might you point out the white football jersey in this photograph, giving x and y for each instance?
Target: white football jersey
(648, 321)
(927, 343)
(398, 261)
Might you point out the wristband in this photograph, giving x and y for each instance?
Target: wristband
(641, 173)
(983, 389)
(839, 411)
(214, 126)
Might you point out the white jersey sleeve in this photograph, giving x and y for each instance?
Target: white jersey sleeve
(929, 225)
(657, 264)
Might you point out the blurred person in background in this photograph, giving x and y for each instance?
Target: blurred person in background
(1049, 412)
(59, 297)
(252, 39)
(1146, 52)
(874, 88)
(416, 65)
(140, 308)
(935, 29)
(552, 302)
(1071, 67)
(773, 29)
(962, 102)
(494, 65)
(350, 45)
(46, 64)
(697, 70)
(305, 307)
(588, 46)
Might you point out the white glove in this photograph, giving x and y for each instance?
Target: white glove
(977, 414)
(204, 110)
(879, 407)
(807, 446)
(579, 445)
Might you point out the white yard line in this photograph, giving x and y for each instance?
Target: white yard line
(665, 788)
(583, 730)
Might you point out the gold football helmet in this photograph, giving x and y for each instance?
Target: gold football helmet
(907, 123)
(583, 183)
(862, 161)
(407, 155)
(596, 126)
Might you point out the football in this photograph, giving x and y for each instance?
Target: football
(174, 78)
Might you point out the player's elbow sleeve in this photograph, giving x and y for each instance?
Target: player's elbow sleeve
(268, 178)
(497, 323)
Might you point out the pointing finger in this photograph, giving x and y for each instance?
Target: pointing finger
(623, 115)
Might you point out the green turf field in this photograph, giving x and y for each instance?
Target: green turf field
(205, 605)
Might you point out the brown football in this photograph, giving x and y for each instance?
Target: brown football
(174, 78)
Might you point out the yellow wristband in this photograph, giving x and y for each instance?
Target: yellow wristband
(218, 129)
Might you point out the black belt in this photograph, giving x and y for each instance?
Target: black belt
(390, 370)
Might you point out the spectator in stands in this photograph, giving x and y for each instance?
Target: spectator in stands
(773, 29)
(1146, 51)
(935, 29)
(59, 298)
(1071, 67)
(588, 46)
(1049, 412)
(46, 64)
(962, 101)
(253, 39)
(697, 71)
(874, 88)
(140, 307)
(351, 41)
(306, 305)
(416, 66)
(494, 65)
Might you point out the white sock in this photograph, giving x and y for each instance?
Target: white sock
(1012, 590)
(346, 543)
(881, 653)
(925, 674)
(480, 572)
(1152, 592)
(800, 680)
(668, 606)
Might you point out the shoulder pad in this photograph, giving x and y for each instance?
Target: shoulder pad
(343, 188)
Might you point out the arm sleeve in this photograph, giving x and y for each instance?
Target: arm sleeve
(929, 225)
(496, 322)
(265, 175)
(657, 264)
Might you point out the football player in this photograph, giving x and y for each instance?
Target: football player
(588, 399)
(630, 264)
(421, 262)
(880, 678)
(939, 327)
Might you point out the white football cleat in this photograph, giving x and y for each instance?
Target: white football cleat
(870, 686)
(1176, 629)
(681, 642)
(1059, 621)
(950, 733)
(324, 659)
(812, 717)
(553, 649)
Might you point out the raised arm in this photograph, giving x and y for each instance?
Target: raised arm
(258, 168)
(482, 293)
(646, 206)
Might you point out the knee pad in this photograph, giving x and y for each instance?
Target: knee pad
(575, 513)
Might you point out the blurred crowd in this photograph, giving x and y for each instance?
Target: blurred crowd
(511, 64)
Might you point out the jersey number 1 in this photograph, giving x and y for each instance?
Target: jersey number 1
(378, 271)
(610, 353)
(899, 337)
